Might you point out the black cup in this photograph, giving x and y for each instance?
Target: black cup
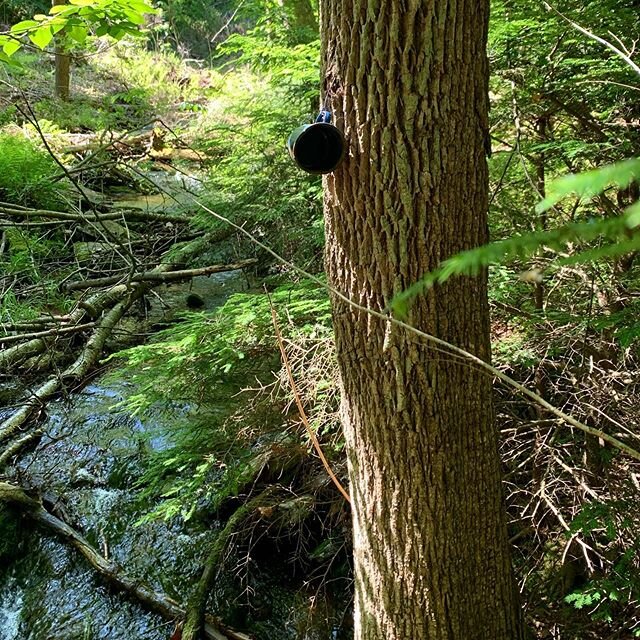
(319, 147)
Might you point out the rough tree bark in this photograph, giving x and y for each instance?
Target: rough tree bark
(407, 81)
(63, 64)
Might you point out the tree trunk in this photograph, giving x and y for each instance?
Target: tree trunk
(63, 64)
(302, 21)
(541, 186)
(408, 84)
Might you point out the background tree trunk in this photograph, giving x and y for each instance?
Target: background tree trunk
(302, 20)
(409, 86)
(62, 63)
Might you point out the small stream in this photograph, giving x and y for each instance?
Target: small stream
(92, 454)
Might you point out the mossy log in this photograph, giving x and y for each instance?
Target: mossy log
(92, 307)
(73, 374)
(195, 621)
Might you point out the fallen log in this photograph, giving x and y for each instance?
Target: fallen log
(20, 352)
(92, 307)
(158, 276)
(95, 306)
(127, 214)
(72, 374)
(151, 599)
(59, 331)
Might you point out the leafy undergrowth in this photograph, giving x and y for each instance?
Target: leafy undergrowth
(572, 502)
(28, 175)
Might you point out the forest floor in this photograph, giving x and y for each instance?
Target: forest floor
(135, 151)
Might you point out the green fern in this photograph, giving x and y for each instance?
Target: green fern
(194, 374)
(616, 233)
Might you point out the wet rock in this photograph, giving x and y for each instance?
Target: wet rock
(195, 301)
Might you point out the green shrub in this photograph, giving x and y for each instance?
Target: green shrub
(28, 175)
(220, 433)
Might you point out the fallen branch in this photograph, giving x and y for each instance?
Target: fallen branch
(21, 352)
(158, 276)
(93, 307)
(152, 600)
(74, 373)
(10, 224)
(127, 214)
(18, 444)
(51, 332)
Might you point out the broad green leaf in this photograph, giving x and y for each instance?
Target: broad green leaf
(41, 37)
(590, 183)
(67, 9)
(11, 47)
(57, 26)
(135, 18)
(23, 26)
(141, 7)
(82, 3)
(90, 13)
(78, 33)
(136, 32)
(102, 30)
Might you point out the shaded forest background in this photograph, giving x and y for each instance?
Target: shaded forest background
(191, 119)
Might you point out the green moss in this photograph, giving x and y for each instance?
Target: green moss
(9, 535)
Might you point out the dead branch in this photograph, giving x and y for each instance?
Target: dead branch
(21, 352)
(10, 224)
(91, 307)
(51, 332)
(195, 614)
(128, 214)
(159, 276)
(303, 415)
(74, 373)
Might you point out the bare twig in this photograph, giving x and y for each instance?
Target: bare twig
(303, 415)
